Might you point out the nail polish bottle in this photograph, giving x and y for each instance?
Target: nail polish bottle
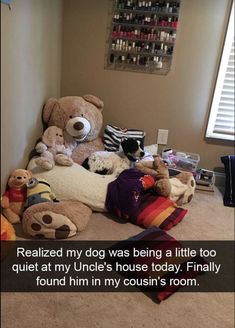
(117, 44)
(142, 33)
(123, 59)
(128, 58)
(167, 7)
(159, 63)
(113, 45)
(165, 49)
(134, 60)
(157, 6)
(162, 35)
(138, 60)
(147, 61)
(142, 46)
(153, 47)
(176, 22)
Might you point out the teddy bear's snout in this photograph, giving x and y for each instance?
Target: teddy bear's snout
(78, 126)
(19, 178)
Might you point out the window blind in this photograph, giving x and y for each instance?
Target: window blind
(221, 120)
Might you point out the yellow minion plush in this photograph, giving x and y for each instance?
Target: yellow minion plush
(38, 191)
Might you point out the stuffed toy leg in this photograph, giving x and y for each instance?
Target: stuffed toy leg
(79, 192)
(55, 220)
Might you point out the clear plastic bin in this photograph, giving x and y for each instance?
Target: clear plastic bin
(181, 160)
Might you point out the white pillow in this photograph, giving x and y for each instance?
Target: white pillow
(75, 183)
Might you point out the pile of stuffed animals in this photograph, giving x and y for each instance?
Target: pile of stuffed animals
(70, 140)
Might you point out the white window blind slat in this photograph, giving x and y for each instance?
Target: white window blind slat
(221, 120)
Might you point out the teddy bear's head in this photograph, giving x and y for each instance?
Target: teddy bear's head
(19, 178)
(53, 136)
(80, 117)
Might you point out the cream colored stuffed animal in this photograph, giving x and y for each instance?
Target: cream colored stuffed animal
(52, 149)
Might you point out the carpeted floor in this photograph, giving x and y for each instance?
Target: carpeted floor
(207, 219)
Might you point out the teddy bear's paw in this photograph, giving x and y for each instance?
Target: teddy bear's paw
(49, 225)
(44, 163)
(63, 160)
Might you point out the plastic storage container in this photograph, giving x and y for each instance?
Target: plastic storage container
(180, 160)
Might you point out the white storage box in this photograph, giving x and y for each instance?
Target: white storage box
(180, 160)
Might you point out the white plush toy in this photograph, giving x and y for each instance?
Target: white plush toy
(75, 183)
(52, 149)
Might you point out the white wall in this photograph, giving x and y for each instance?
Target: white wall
(30, 73)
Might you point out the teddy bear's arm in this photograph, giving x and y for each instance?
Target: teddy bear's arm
(5, 201)
(40, 147)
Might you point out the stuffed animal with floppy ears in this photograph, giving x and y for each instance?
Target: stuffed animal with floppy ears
(13, 200)
(81, 120)
(52, 149)
(179, 188)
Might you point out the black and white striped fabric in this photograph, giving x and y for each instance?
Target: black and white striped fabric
(114, 135)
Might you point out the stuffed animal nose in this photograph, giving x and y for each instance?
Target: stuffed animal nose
(19, 178)
(78, 126)
(142, 153)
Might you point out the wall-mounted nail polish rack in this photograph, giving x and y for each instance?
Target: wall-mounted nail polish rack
(142, 35)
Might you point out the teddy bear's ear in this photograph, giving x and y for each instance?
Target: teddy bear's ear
(49, 136)
(29, 173)
(48, 109)
(95, 101)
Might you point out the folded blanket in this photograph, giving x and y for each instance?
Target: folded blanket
(157, 240)
(131, 197)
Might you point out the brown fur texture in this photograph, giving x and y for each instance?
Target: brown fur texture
(60, 112)
(179, 188)
(12, 209)
(56, 220)
(82, 115)
(157, 168)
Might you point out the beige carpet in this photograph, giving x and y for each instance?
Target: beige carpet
(207, 219)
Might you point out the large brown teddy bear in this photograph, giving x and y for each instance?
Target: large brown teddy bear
(81, 120)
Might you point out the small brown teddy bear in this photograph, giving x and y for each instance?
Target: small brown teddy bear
(13, 200)
(52, 149)
(179, 188)
(81, 120)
